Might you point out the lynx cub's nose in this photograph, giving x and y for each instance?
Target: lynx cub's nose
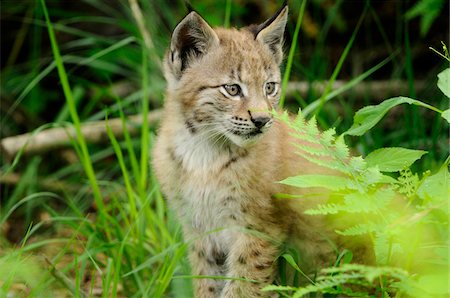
(260, 121)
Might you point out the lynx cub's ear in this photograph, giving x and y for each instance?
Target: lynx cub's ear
(191, 39)
(271, 32)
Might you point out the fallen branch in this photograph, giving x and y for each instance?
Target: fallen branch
(53, 138)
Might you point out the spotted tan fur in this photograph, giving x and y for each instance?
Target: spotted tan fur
(218, 171)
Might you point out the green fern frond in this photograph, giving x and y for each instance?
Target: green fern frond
(370, 273)
(368, 202)
(311, 127)
(370, 176)
(323, 209)
(342, 150)
(382, 248)
(328, 137)
(299, 120)
(359, 229)
(358, 163)
(313, 150)
(330, 164)
(317, 287)
(301, 135)
(407, 183)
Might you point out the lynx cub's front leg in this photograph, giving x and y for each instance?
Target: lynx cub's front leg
(207, 260)
(251, 258)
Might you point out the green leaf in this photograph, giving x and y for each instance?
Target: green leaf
(446, 115)
(291, 262)
(444, 82)
(322, 209)
(359, 229)
(435, 283)
(428, 10)
(326, 181)
(435, 188)
(277, 288)
(393, 159)
(369, 116)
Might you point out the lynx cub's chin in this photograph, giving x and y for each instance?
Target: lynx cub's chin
(219, 155)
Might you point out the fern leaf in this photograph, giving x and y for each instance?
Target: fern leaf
(359, 229)
(323, 209)
(328, 137)
(301, 135)
(342, 150)
(370, 176)
(311, 127)
(357, 202)
(277, 288)
(299, 120)
(358, 163)
(326, 163)
(313, 150)
(381, 247)
(325, 181)
(408, 183)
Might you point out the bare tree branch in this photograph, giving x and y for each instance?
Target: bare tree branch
(53, 138)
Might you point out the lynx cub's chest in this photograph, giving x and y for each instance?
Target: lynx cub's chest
(210, 184)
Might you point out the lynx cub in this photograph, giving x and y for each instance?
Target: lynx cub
(219, 154)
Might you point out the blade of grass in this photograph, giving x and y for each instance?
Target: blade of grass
(128, 142)
(226, 22)
(130, 194)
(290, 59)
(85, 158)
(312, 106)
(144, 130)
(340, 63)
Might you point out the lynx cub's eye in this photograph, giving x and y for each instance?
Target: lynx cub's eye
(233, 90)
(271, 88)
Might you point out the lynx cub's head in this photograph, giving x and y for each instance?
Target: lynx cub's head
(226, 81)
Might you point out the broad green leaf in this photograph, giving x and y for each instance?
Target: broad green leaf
(369, 116)
(444, 82)
(435, 188)
(326, 181)
(435, 283)
(393, 159)
(446, 115)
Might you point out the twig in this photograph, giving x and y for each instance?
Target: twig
(53, 138)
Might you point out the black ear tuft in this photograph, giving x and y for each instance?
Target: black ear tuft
(271, 19)
(188, 5)
(271, 32)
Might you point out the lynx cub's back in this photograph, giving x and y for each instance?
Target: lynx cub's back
(219, 153)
